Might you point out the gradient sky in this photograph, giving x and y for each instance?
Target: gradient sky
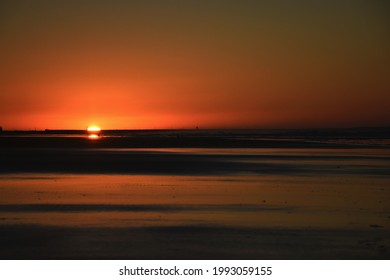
(181, 64)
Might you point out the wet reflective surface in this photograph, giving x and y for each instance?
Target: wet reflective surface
(232, 192)
(356, 197)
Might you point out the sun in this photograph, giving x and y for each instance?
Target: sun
(93, 129)
(93, 132)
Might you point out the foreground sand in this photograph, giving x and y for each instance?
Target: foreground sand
(63, 216)
(87, 201)
(47, 242)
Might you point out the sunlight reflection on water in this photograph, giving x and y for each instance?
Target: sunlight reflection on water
(93, 137)
(162, 200)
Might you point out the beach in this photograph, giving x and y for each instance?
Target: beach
(193, 196)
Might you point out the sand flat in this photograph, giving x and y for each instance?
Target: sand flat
(196, 203)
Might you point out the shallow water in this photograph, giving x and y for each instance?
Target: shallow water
(324, 188)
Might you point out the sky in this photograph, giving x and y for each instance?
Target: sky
(123, 64)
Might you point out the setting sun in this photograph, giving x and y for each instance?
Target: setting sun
(93, 128)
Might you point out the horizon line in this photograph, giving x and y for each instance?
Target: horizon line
(196, 129)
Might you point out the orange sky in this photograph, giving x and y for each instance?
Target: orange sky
(212, 64)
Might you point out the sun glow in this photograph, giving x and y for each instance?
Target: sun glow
(93, 128)
(93, 132)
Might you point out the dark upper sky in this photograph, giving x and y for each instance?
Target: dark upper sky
(182, 64)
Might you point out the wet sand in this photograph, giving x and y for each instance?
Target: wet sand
(94, 202)
(198, 242)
